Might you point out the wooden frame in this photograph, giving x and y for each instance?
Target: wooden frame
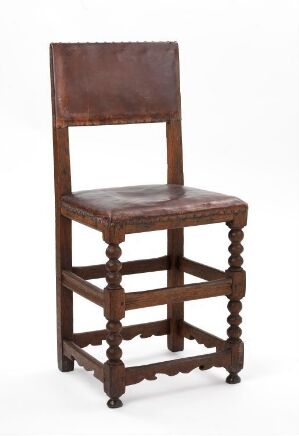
(161, 106)
(222, 357)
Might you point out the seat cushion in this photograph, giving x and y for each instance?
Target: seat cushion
(131, 203)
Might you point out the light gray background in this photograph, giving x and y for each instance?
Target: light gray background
(240, 100)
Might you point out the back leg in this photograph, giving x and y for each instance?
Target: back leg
(175, 277)
(64, 297)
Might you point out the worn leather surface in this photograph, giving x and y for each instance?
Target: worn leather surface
(133, 202)
(111, 83)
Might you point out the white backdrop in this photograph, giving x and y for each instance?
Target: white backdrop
(240, 102)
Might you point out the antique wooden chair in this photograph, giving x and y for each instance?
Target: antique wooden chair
(118, 83)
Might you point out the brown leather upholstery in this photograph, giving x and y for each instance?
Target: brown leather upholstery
(131, 203)
(112, 83)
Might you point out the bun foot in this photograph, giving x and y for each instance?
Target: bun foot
(233, 378)
(114, 404)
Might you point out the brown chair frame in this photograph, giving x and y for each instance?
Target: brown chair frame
(113, 299)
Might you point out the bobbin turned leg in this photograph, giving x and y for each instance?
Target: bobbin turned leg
(237, 274)
(114, 310)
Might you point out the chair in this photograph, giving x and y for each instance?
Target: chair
(119, 83)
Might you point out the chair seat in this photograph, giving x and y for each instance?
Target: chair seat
(131, 203)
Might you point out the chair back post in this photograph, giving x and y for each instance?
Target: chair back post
(62, 166)
(175, 172)
(63, 227)
(175, 237)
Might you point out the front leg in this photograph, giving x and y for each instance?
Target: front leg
(114, 310)
(237, 274)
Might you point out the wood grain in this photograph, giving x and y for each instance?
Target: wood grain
(135, 374)
(145, 330)
(114, 310)
(90, 363)
(63, 231)
(175, 237)
(199, 270)
(189, 331)
(131, 267)
(193, 291)
(175, 278)
(81, 287)
(234, 342)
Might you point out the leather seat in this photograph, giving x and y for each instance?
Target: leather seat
(129, 203)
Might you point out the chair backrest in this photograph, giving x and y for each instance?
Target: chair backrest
(114, 83)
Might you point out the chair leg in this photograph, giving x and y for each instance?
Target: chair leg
(236, 272)
(64, 297)
(114, 309)
(175, 277)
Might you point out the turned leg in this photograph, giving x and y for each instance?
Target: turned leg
(64, 297)
(175, 277)
(114, 369)
(237, 274)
